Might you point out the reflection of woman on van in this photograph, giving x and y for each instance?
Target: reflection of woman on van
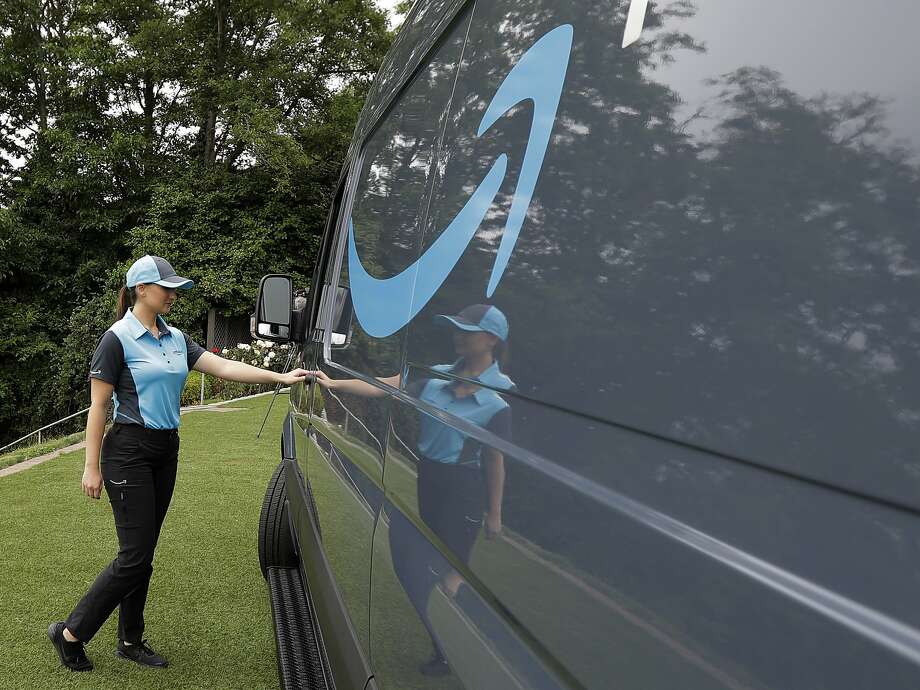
(480, 331)
(452, 466)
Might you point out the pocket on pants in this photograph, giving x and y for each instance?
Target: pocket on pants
(123, 497)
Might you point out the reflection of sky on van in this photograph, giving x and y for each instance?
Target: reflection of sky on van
(864, 53)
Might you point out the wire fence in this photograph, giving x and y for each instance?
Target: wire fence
(64, 426)
(227, 331)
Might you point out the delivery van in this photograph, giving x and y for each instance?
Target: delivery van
(615, 333)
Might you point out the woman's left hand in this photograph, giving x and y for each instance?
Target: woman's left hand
(295, 376)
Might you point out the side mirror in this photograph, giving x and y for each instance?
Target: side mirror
(272, 317)
(341, 318)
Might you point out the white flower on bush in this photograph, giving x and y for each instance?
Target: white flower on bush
(266, 361)
(271, 355)
(224, 351)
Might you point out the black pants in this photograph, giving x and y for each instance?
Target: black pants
(139, 472)
(451, 502)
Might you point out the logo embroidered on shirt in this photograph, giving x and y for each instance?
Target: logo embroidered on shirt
(98, 371)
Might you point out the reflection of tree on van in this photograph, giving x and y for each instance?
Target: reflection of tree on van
(455, 473)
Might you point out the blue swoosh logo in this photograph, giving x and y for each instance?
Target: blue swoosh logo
(384, 305)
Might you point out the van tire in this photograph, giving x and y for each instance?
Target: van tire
(276, 545)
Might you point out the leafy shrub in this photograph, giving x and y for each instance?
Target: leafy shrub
(260, 353)
(228, 390)
(191, 393)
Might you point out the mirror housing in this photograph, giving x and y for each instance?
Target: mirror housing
(273, 317)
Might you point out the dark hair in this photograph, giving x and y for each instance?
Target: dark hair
(125, 299)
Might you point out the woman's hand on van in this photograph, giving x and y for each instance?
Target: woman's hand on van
(295, 376)
(92, 482)
(321, 378)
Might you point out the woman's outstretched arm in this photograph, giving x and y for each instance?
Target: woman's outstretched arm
(231, 370)
(354, 386)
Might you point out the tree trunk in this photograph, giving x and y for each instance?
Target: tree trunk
(42, 100)
(41, 85)
(149, 105)
(210, 121)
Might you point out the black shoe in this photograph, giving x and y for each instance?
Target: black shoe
(141, 653)
(72, 654)
(435, 666)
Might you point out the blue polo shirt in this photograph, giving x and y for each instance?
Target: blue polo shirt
(484, 407)
(148, 373)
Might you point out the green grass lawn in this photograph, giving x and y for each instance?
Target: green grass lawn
(208, 608)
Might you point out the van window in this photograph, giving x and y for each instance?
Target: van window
(394, 175)
(414, 38)
(722, 246)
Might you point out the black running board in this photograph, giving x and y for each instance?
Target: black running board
(301, 661)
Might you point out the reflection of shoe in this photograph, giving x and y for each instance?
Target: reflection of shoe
(71, 653)
(435, 666)
(140, 653)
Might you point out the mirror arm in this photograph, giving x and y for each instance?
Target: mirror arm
(299, 319)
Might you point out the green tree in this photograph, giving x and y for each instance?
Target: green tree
(211, 133)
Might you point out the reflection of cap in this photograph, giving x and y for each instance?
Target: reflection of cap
(480, 317)
(153, 269)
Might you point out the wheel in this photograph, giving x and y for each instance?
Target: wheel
(276, 545)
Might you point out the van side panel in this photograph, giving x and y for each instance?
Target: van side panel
(347, 433)
(636, 562)
(722, 247)
(708, 414)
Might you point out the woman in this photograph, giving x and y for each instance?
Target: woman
(141, 363)
(460, 481)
